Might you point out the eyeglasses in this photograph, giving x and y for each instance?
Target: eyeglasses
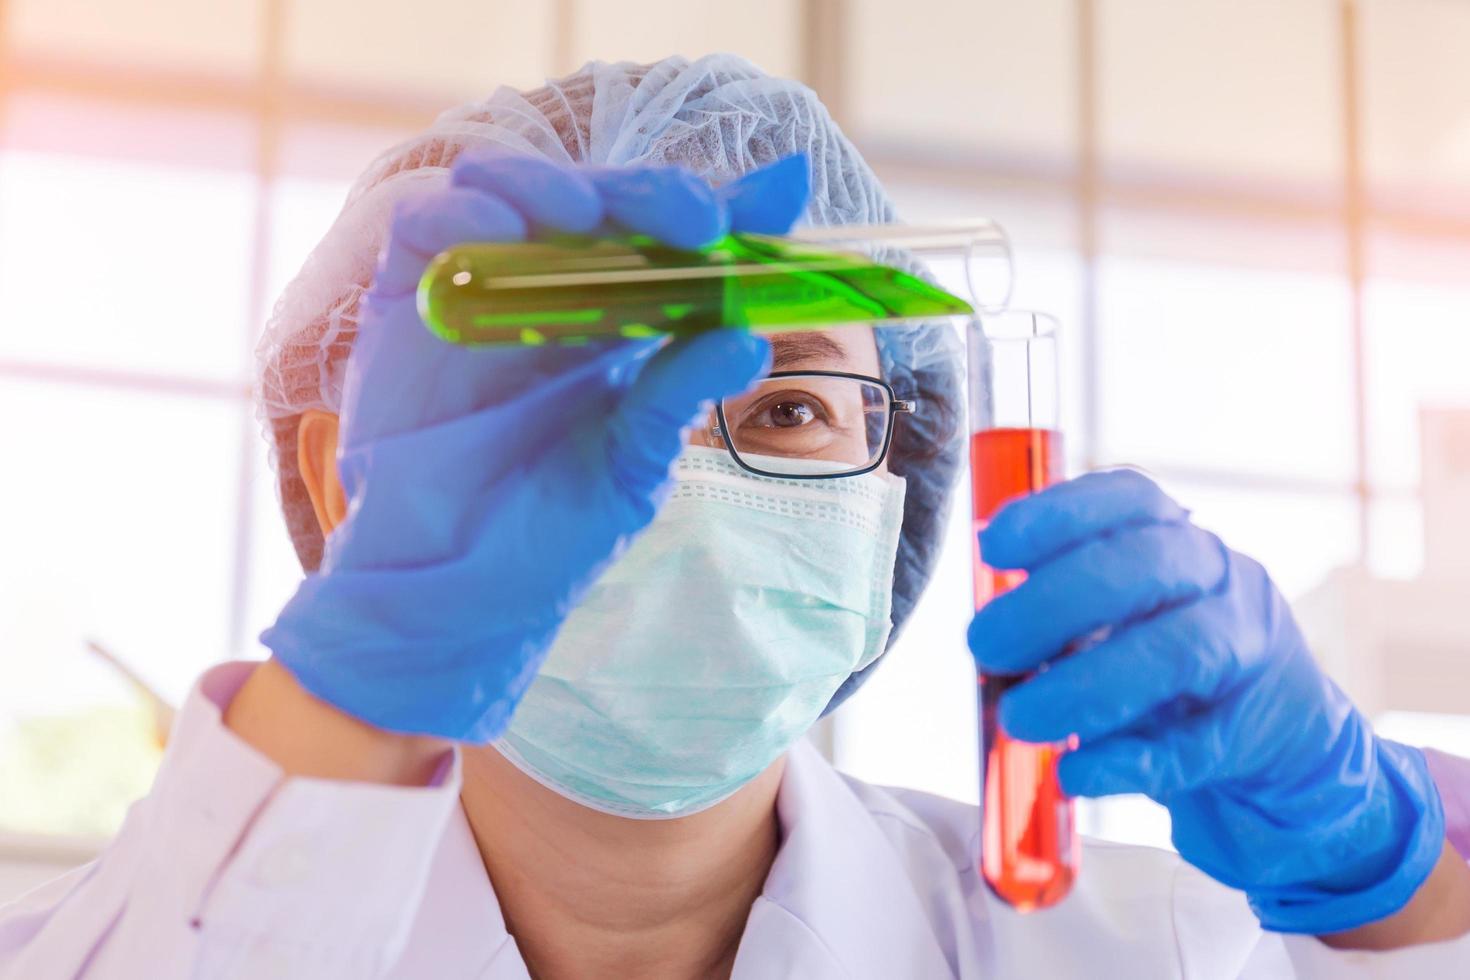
(807, 425)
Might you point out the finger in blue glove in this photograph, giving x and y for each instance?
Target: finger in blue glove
(670, 204)
(769, 201)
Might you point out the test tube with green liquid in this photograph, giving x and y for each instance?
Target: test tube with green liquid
(574, 289)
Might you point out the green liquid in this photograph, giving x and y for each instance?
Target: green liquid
(565, 291)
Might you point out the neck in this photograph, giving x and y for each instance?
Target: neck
(589, 894)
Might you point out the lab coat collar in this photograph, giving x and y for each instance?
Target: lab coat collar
(459, 923)
(837, 901)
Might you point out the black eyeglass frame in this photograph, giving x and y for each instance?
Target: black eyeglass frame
(896, 406)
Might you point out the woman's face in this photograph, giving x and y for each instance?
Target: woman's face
(814, 419)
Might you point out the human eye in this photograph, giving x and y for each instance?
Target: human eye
(789, 409)
(808, 417)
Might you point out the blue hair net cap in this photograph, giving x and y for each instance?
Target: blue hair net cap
(719, 116)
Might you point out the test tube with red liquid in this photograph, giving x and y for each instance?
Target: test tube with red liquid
(1029, 852)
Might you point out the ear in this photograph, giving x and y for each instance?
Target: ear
(316, 457)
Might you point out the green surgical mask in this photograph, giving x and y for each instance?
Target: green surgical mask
(715, 641)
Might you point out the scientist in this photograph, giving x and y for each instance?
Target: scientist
(537, 709)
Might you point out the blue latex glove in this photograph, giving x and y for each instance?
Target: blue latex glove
(488, 488)
(1202, 695)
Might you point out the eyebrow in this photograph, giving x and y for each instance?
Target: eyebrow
(794, 348)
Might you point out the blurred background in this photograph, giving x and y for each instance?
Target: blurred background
(1251, 216)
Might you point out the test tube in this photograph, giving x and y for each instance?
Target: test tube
(573, 289)
(1029, 852)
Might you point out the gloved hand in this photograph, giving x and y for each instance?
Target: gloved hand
(488, 488)
(1201, 694)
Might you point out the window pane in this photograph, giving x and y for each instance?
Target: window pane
(1396, 549)
(1298, 537)
(1129, 819)
(1448, 733)
(445, 49)
(125, 536)
(1218, 365)
(1232, 88)
(154, 277)
(337, 152)
(993, 77)
(1032, 217)
(1417, 352)
(1416, 113)
(217, 36)
(765, 31)
(73, 766)
(1445, 490)
(130, 132)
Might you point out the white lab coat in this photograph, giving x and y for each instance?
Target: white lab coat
(227, 870)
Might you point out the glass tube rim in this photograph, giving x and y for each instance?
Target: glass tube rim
(996, 327)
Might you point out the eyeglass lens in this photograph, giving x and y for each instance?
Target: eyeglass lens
(808, 424)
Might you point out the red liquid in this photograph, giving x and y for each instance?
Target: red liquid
(1029, 853)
